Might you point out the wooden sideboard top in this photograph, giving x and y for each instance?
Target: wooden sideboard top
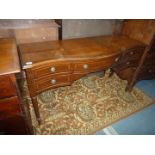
(75, 49)
(9, 61)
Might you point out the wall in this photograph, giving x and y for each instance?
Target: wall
(76, 28)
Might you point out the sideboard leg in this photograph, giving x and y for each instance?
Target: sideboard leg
(36, 109)
(129, 87)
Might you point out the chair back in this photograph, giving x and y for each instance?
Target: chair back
(142, 30)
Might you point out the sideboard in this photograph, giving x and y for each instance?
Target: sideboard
(59, 63)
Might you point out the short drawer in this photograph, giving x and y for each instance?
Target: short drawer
(9, 107)
(7, 89)
(133, 54)
(51, 68)
(126, 64)
(93, 66)
(52, 82)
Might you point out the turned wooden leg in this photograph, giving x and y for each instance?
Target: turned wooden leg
(36, 109)
(129, 86)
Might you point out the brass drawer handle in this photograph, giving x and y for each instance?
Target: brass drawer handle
(53, 69)
(85, 66)
(53, 81)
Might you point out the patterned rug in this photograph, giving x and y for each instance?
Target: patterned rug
(87, 106)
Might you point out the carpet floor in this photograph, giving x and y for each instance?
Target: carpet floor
(87, 106)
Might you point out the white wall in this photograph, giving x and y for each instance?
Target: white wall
(76, 28)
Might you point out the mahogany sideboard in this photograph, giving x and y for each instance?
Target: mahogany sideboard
(59, 63)
(11, 116)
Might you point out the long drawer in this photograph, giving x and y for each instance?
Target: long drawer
(52, 81)
(51, 68)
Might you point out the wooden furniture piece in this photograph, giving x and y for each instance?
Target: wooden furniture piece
(137, 63)
(11, 116)
(59, 63)
(29, 30)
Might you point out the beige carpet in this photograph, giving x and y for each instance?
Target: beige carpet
(87, 106)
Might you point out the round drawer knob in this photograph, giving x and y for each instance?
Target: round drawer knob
(131, 53)
(53, 81)
(53, 69)
(128, 63)
(116, 59)
(150, 71)
(85, 66)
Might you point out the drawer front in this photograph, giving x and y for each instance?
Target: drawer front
(51, 68)
(93, 66)
(7, 89)
(126, 64)
(9, 107)
(133, 54)
(52, 82)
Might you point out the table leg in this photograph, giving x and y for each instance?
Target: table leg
(36, 109)
(129, 87)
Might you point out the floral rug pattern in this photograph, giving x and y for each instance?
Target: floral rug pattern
(85, 107)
